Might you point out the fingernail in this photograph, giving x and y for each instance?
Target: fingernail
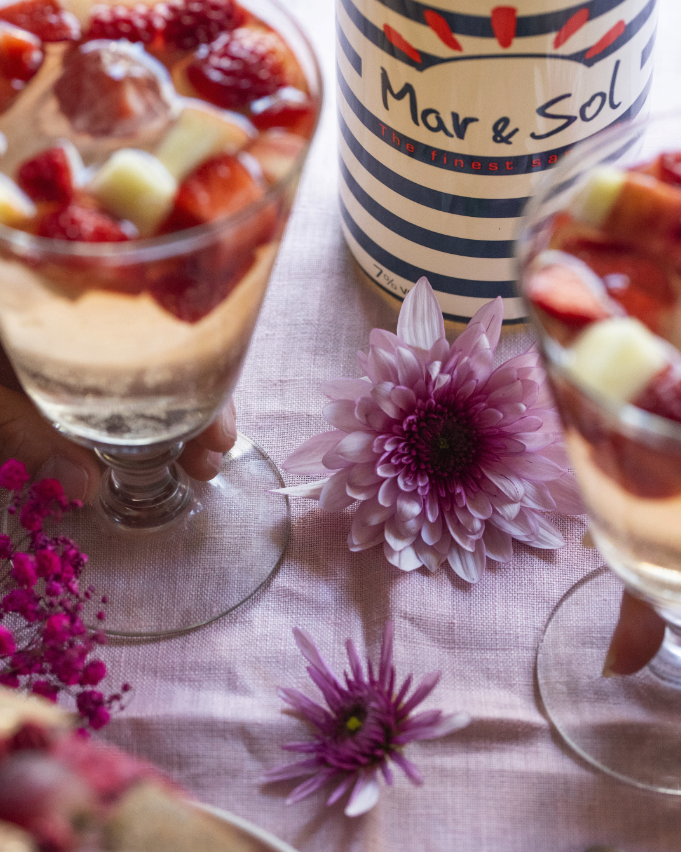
(608, 665)
(214, 460)
(74, 478)
(229, 421)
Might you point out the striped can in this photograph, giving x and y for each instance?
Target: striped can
(447, 120)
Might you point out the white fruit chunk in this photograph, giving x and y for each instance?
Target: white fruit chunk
(15, 206)
(276, 152)
(199, 133)
(135, 185)
(596, 198)
(617, 358)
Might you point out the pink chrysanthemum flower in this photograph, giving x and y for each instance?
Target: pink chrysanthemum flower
(366, 727)
(450, 458)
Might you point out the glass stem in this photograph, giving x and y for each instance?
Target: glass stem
(144, 490)
(667, 662)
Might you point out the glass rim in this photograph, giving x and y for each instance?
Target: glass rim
(625, 413)
(151, 248)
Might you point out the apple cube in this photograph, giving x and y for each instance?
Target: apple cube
(201, 132)
(276, 153)
(15, 206)
(617, 358)
(135, 185)
(597, 197)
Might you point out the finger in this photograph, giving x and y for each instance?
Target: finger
(220, 436)
(637, 637)
(200, 463)
(27, 437)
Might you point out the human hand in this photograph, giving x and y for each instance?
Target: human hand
(25, 435)
(636, 639)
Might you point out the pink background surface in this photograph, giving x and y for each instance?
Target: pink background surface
(205, 707)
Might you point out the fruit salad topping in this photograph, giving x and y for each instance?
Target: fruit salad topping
(607, 287)
(167, 115)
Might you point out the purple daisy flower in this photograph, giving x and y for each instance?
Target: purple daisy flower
(450, 458)
(367, 725)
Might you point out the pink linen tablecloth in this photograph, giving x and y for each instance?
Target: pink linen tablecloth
(204, 705)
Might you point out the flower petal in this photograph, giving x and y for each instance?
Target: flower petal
(371, 512)
(498, 544)
(364, 794)
(405, 560)
(469, 566)
(341, 415)
(420, 322)
(307, 458)
(333, 496)
(447, 724)
(357, 447)
(490, 317)
(345, 388)
(311, 490)
(428, 555)
(566, 494)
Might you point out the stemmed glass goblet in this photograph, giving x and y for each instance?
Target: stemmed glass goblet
(628, 465)
(131, 348)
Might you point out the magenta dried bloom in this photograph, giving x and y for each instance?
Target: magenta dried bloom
(368, 723)
(7, 643)
(48, 652)
(449, 457)
(13, 475)
(24, 570)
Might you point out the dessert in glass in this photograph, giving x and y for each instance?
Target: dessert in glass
(151, 154)
(600, 266)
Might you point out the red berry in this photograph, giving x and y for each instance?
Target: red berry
(239, 67)
(637, 282)
(21, 53)
(188, 294)
(559, 290)
(134, 23)
(48, 176)
(112, 88)
(662, 395)
(44, 18)
(194, 22)
(85, 224)
(287, 108)
(218, 187)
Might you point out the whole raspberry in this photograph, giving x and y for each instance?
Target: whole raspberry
(138, 23)
(238, 68)
(194, 22)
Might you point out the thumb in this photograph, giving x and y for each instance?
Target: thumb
(637, 637)
(27, 437)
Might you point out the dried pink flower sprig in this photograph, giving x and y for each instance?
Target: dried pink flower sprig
(449, 458)
(366, 727)
(44, 645)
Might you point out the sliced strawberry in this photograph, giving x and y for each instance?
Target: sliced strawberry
(77, 223)
(662, 396)
(112, 88)
(239, 67)
(634, 280)
(48, 176)
(21, 53)
(287, 108)
(194, 22)
(189, 294)
(665, 167)
(140, 23)
(44, 18)
(219, 187)
(562, 291)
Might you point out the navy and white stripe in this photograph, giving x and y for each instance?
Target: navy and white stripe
(415, 202)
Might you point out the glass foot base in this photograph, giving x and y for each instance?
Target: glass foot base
(629, 727)
(202, 566)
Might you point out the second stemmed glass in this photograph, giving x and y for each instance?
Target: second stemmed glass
(628, 465)
(105, 340)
